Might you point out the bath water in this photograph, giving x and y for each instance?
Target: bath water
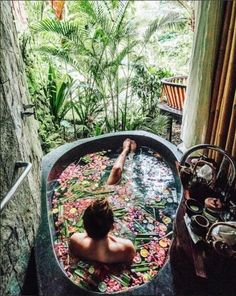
(144, 205)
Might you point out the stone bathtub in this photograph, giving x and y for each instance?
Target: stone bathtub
(52, 279)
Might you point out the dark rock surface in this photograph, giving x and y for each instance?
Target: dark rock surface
(19, 142)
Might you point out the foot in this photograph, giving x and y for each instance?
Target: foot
(126, 145)
(133, 146)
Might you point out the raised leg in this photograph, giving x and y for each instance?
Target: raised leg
(116, 172)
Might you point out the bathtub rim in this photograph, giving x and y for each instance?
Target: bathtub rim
(48, 163)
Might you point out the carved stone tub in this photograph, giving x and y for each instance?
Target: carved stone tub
(52, 279)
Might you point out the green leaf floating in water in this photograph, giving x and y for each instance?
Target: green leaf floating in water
(105, 174)
(86, 159)
(119, 280)
(66, 231)
(84, 194)
(142, 268)
(86, 183)
(89, 172)
(60, 211)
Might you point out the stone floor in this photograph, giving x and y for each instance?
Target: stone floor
(176, 130)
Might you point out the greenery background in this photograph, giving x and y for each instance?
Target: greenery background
(99, 68)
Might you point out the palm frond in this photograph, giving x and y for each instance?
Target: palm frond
(57, 92)
(120, 15)
(103, 16)
(63, 28)
(70, 32)
(170, 20)
(79, 111)
(65, 109)
(157, 125)
(188, 6)
(52, 90)
(86, 7)
(116, 61)
(60, 53)
(109, 8)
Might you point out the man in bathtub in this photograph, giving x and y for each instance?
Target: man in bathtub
(97, 243)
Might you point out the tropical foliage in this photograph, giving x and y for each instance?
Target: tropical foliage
(58, 90)
(98, 79)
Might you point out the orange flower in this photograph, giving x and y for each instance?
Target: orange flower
(58, 6)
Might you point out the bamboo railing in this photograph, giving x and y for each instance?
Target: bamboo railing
(174, 91)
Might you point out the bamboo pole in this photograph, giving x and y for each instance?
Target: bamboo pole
(229, 68)
(223, 77)
(234, 148)
(231, 139)
(218, 82)
(222, 89)
(218, 72)
(228, 95)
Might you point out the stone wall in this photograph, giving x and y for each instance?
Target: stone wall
(19, 142)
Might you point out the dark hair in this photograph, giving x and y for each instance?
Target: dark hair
(98, 219)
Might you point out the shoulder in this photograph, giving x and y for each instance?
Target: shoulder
(77, 236)
(129, 249)
(124, 247)
(76, 242)
(126, 243)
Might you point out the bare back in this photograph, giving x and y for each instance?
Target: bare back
(108, 250)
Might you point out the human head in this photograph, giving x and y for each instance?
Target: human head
(98, 219)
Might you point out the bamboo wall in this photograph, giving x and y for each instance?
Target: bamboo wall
(221, 129)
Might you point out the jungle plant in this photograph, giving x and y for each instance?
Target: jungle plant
(50, 132)
(146, 84)
(95, 48)
(189, 9)
(102, 48)
(112, 87)
(87, 107)
(58, 91)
